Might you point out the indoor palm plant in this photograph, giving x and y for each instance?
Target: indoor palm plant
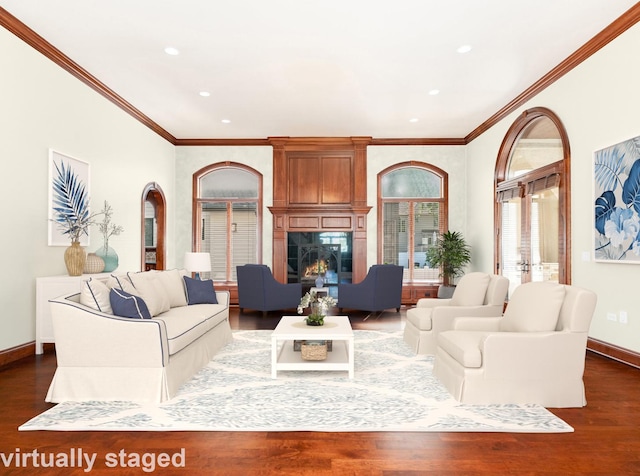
(451, 254)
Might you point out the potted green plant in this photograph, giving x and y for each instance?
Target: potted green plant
(451, 254)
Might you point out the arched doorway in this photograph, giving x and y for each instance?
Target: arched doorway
(153, 227)
(532, 209)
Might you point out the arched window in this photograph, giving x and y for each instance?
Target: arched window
(532, 200)
(227, 217)
(412, 213)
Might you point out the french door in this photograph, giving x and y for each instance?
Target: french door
(532, 212)
(530, 223)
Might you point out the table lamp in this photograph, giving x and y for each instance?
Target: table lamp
(197, 263)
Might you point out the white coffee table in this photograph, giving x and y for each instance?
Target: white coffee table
(290, 328)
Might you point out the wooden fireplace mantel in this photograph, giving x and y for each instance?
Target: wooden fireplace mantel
(319, 184)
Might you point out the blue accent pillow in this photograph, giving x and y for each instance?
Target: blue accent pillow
(124, 304)
(200, 292)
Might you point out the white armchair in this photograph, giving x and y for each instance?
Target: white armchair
(534, 354)
(477, 294)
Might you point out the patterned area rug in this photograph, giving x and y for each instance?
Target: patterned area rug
(393, 390)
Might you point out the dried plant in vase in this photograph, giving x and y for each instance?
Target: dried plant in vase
(108, 229)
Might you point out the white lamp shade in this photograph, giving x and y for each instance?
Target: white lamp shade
(197, 262)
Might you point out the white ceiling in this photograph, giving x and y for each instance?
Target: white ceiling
(318, 68)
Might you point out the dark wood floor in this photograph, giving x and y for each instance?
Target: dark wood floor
(606, 440)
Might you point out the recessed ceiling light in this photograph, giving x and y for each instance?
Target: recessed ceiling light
(226, 121)
(170, 50)
(205, 94)
(434, 92)
(414, 119)
(464, 49)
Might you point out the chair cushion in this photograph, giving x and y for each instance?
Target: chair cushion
(534, 307)
(420, 317)
(471, 290)
(463, 346)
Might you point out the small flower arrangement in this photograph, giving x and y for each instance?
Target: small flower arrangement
(319, 306)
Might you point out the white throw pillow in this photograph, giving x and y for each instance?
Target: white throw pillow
(534, 307)
(471, 290)
(173, 284)
(121, 281)
(95, 294)
(149, 288)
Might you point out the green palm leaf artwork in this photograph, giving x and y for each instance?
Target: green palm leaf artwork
(70, 202)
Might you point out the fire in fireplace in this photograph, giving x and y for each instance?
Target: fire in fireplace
(326, 253)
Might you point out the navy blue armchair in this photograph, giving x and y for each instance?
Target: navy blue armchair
(259, 290)
(381, 289)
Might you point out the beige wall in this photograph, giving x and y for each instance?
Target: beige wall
(598, 103)
(44, 107)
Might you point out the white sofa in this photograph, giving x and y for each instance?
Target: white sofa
(103, 356)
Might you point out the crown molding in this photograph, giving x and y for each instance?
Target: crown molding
(41, 45)
(611, 32)
(606, 36)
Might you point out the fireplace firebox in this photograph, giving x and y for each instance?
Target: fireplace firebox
(325, 254)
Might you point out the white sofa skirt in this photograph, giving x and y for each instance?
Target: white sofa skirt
(154, 383)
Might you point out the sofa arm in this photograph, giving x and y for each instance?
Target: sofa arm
(533, 355)
(223, 298)
(87, 338)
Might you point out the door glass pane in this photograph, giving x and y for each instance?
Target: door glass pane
(512, 242)
(244, 238)
(544, 235)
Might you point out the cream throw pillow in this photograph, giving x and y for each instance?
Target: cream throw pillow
(534, 307)
(95, 294)
(149, 288)
(173, 284)
(121, 281)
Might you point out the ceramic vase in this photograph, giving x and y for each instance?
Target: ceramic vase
(109, 256)
(319, 281)
(74, 259)
(94, 264)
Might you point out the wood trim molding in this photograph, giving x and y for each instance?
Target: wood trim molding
(222, 142)
(614, 352)
(12, 354)
(41, 45)
(419, 141)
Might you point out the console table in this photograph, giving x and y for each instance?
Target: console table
(49, 287)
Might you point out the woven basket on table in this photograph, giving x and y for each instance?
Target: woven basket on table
(314, 350)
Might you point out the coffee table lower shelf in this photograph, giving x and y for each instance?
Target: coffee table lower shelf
(337, 359)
